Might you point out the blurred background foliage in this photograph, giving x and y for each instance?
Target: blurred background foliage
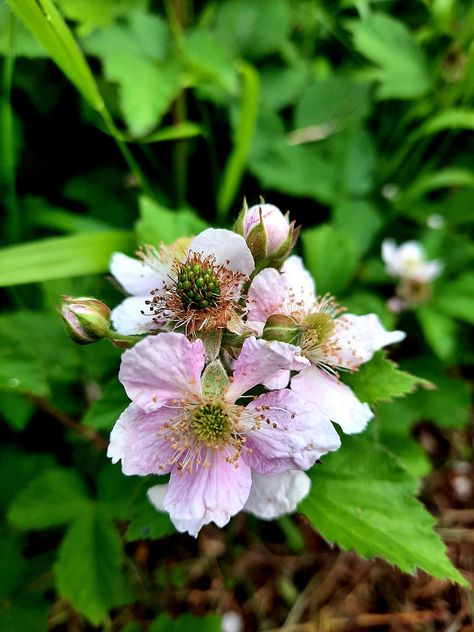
(125, 122)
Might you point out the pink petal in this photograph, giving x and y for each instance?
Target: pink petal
(161, 368)
(128, 320)
(207, 494)
(298, 433)
(266, 296)
(279, 380)
(136, 278)
(299, 285)
(135, 440)
(276, 224)
(358, 338)
(273, 495)
(258, 361)
(333, 398)
(228, 248)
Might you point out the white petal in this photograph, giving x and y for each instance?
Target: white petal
(156, 495)
(128, 320)
(333, 398)
(228, 248)
(266, 296)
(357, 338)
(136, 278)
(279, 380)
(273, 495)
(299, 285)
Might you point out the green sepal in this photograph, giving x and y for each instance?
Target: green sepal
(214, 380)
(282, 328)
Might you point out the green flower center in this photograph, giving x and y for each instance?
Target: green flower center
(210, 423)
(198, 286)
(318, 328)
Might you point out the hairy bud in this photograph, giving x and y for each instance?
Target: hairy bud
(283, 328)
(87, 319)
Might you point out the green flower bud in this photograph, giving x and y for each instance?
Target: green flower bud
(87, 319)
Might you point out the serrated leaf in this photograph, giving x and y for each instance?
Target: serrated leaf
(380, 380)
(61, 257)
(330, 256)
(158, 224)
(55, 497)
(89, 567)
(105, 411)
(17, 469)
(185, 623)
(116, 493)
(362, 500)
(147, 523)
(388, 44)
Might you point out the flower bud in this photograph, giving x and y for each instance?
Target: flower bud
(268, 232)
(282, 328)
(87, 319)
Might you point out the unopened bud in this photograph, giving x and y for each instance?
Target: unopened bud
(268, 232)
(87, 319)
(282, 328)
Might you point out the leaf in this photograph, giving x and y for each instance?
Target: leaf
(209, 61)
(443, 178)
(439, 331)
(456, 118)
(147, 523)
(91, 14)
(53, 498)
(185, 623)
(116, 493)
(18, 618)
(362, 500)
(17, 469)
(387, 43)
(23, 43)
(13, 563)
(61, 257)
(379, 380)
(137, 56)
(456, 298)
(89, 567)
(21, 372)
(253, 29)
(105, 411)
(158, 224)
(330, 257)
(16, 410)
(187, 129)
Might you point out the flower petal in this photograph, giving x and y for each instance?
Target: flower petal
(228, 248)
(293, 434)
(333, 398)
(265, 296)
(127, 317)
(258, 361)
(299, 284)
(207, 494)
(358, 338)
(162, 367)
(136, 442)
(136, 278)
(275, 223)
(273, 495)
(279, 380)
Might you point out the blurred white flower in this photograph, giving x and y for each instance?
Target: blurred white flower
(232, 621)
(408, 262)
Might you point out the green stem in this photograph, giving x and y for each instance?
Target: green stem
(7, 149)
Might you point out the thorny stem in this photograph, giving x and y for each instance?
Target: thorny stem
(88, 434)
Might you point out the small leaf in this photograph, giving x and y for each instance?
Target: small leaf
(380, 380)
(158, 224)
(362, 500)
(330, 257)
(89, 568)
(55, 497)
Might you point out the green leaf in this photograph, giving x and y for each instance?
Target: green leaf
(91, 14)
(53, 498)
(456, 118)
(89, 570)
(21, 372)
(16, 410)
(116, 493)
(174, 132)
(439, 330)
(330, 257)
(387, 43)
(147, 523)
(61, 257)
(456, 298)
(13, 563)
(443, 178)
(23, 43)
(380, 380)
(137, 56)
(362, 500)
(185, 623)
(17, 469)
(107, 409)
(209, 61)
(158, 224)
(18, 618)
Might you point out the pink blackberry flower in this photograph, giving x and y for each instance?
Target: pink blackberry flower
(320, 331)
(197, 424)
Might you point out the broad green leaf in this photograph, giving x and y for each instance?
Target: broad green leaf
(17, 469)
(61, 257)
(253, 29)
(116, 493)
(282, 86)
(91, 14)
(439, 330)
(107, 409)
(363, 501)
(330, 257)
(19, 38)
(18, 618)
(353, 156)
(53, 498)
(158, 224)
(16, 410)
(456, 298)
(387, 43)
(379, 380)
(89, 567)
(21, 372)
(137, 56)
(147, 523)
(209, 61)
(186, 623)
(334, 100)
